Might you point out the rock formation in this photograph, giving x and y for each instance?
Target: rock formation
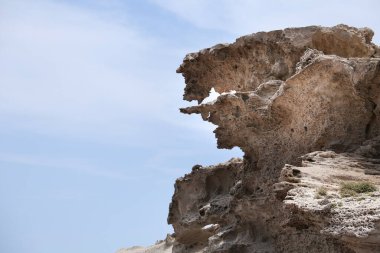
(303, 104)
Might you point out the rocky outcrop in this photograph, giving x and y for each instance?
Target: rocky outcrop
(318, 195)
(259, 57)
(304, 106)
(201, 204)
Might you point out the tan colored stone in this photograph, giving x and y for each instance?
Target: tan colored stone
(303, 104)
(284, 94)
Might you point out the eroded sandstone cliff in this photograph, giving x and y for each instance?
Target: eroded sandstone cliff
(304, 106)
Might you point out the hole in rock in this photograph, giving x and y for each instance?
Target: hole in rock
(213, 95)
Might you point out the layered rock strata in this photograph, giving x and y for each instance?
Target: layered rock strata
(303, 104)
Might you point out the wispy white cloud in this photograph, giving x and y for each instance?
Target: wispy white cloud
(241, 17)
(79, 166)
(73, 69)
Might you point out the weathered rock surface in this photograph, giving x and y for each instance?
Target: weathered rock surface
(259, 57)
(315, 197)
(304, 106)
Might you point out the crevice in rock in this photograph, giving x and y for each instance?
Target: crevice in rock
(372, 121)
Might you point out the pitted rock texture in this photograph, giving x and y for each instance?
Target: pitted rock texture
(308, 111)
(314, 198)
(304, 106)
(263, 56)
(201, 204)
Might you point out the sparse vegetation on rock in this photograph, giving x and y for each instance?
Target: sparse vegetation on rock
(349, 189)
(321, 191)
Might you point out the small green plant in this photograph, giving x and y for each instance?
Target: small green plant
(321, 191)
(353, 188)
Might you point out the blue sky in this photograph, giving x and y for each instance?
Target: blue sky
(92, 140)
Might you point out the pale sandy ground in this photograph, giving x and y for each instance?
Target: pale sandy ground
(164, 246)
(158, 248)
